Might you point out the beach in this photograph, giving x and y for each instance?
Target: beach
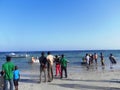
(87, 80)
(82, 37)
(79, 78)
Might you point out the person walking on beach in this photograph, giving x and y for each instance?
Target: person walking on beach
(87, 57)
(112, 60)
(91, 59)
(102, 59)
(63, 62)
(8, 68)
(16, 77)
(43, 66)
(57, 67)
(95, 58)
(50, 59)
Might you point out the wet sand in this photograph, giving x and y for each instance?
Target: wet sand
(87, 80)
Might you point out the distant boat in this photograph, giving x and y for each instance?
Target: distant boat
(13, 55)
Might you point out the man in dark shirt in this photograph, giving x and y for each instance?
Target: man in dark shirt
(112, 60)
(43, 67)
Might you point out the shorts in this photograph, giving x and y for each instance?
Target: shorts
(16, 82)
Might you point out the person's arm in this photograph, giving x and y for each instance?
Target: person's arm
(39, 60)
(61, 61)
(113, 57)
(48, 61)
(67, 61)
(2, 73)
(54, 59)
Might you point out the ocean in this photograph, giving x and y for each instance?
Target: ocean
(74, 57)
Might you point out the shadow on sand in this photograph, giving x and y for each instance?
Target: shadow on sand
(29, 80)
(110, 81)
(82, 87)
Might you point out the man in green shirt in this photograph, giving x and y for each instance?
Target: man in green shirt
(8, 68)
(63, 62)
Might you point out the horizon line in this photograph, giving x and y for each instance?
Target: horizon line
(60, 50)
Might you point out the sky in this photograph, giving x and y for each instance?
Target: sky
(37, 25)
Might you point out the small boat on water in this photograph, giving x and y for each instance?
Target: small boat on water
(13, 55)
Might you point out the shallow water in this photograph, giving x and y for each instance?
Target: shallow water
(75, 57)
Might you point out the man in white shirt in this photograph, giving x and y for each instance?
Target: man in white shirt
(88, 60)
(50, 59)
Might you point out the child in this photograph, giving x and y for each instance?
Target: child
(58, 69)
(16, 77)
(1, 80)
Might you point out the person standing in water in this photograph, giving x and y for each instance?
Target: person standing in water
(102, 59)
(43, 66)
(16, 77)
(87, 57)
(8, 68)
(50, 59)
(112, 60)
(57, 67)
(63, 62)
(95, 58)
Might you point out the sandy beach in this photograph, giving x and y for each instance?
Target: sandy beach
(87, 80)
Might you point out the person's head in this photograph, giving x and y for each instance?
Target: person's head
(42, 53)
(86, 54)
(16, 67)
(56, 56)
(111, 54)
(8, 58)
(100, 53)
(62, 55)
(2, 73)
(48, 53)
(90, 54)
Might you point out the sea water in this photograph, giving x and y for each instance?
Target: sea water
(74, 57)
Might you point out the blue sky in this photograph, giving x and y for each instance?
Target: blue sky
(27, 25)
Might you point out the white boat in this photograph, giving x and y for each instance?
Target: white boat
(13, 55)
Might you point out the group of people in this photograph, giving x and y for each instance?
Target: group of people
(91, 58)
(9, 74)
(46, 66)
